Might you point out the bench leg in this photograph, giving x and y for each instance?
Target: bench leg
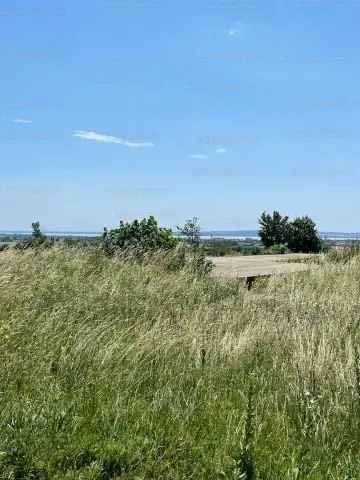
(249, 281)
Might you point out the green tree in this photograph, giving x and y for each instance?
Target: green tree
(37, 239)
(37, 234)
(191, 231)
(273, 229)
(145, 235)
(302, 236)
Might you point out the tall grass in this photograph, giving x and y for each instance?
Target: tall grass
(113, 368)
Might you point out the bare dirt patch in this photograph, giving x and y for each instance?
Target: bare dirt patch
(253, 265)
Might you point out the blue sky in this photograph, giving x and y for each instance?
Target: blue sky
(117, 109)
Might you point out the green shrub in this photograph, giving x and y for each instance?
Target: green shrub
(142, 235)
(277, 249)
(302, 236)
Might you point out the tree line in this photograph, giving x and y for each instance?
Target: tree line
(276, 232)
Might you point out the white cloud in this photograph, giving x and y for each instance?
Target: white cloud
(22, 120)
(221, 150)
(198, 156)
(101, 137)
(233, 32)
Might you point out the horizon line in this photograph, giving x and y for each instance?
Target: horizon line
(202, 232)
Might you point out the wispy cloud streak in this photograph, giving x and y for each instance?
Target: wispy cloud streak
(221, 150)
(233, 32)
(22, 120)
(104, 138)
(198, 156)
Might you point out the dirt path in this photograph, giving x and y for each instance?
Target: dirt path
(252, 265)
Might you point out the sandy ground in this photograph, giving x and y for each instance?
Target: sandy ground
(252, 265)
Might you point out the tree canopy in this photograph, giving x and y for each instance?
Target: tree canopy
(144, 234)
(299, 235)
(302, 236)
(191, 232)
(273, 229)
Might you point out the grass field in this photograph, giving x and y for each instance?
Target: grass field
(113, 369)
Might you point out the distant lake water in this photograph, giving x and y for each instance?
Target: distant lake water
(221, 234)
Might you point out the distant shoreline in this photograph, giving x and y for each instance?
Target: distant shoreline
(206, 235)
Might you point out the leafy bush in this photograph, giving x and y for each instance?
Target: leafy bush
(143, 235)
(302, 236)
(277, 249)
